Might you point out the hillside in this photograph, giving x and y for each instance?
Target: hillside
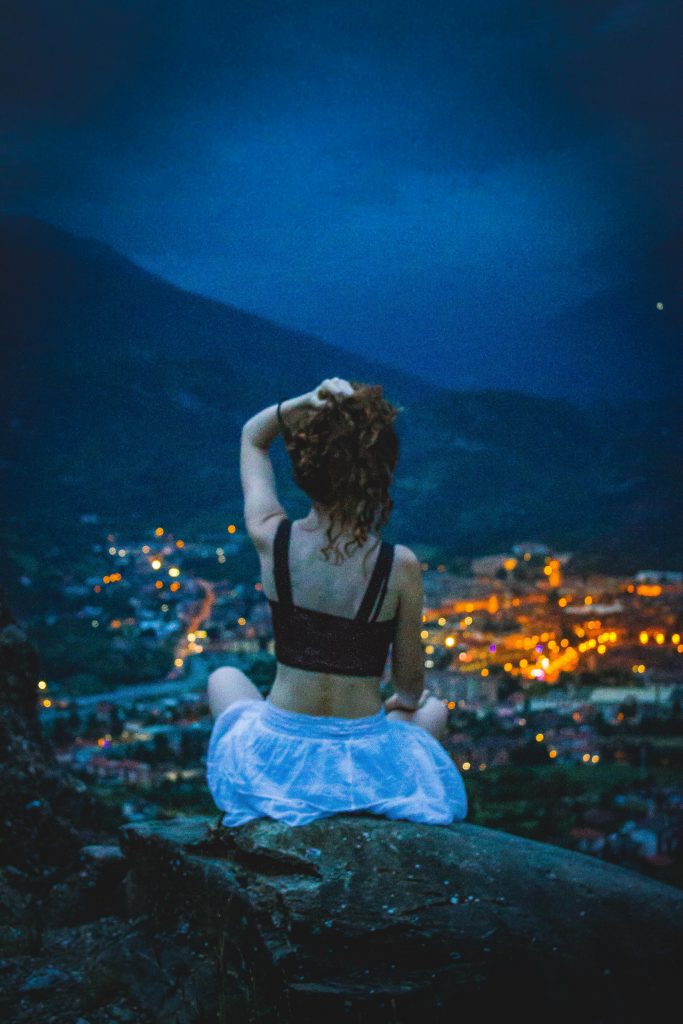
(123, 395)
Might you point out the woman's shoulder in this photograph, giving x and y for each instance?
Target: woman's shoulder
(405, 557)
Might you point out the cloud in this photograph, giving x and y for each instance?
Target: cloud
(331, 164)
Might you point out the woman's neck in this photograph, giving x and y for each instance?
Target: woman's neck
(319, 520)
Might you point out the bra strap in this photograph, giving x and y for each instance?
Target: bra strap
(377, 585)
(283, 583)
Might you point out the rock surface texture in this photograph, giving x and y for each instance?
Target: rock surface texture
(61, 893)
(356, 918)
(45, 811)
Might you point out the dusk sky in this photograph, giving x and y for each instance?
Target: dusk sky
(454, 187)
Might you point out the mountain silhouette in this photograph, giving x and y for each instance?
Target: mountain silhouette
(124, 395)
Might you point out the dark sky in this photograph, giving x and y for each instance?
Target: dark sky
(486, 193)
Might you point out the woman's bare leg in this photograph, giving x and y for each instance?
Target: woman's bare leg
(228, 684)
(432, 716)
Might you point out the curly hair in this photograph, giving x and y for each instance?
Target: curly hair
(343, 456)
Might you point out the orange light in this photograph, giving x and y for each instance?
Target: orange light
(159, 532)
(174, 586)
(180, 543)
(232, 528)
(588, 599)
(158, 584)
(648, 589)
(643, 637)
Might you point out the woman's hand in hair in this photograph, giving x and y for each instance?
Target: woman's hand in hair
(330, 386)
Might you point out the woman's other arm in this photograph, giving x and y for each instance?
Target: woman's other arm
(407, 659)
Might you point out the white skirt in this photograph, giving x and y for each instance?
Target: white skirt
(264, 761)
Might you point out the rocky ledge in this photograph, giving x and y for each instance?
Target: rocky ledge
(358, 918)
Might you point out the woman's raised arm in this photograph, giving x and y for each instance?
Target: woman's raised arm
(256, 469)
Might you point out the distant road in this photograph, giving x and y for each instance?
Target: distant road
(162, 688)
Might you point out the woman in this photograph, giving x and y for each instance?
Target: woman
(323, 742)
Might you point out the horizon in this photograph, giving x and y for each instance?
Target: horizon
(667, 392)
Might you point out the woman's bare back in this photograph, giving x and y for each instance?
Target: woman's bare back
(337, 590)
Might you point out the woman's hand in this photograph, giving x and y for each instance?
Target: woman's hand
(330, 386)
(318, 397)
(394, 703)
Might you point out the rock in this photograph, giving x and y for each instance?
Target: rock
(44, 979)
(96, 890)
(103, 854)
(47, 811)
(16, 920)
(162, 972)
(349, 919)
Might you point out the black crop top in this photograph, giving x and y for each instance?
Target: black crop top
(320, 642)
